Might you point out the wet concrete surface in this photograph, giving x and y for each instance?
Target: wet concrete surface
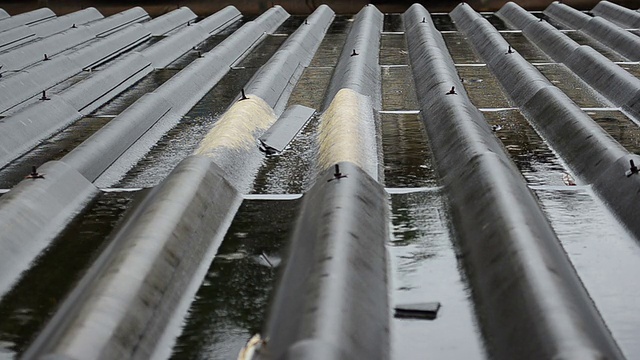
(443, 22)
(620, 127)
(393, 23)
(577, 90)
(605, 256)
(393, 50)
(35, 297)
(495, 21)
(424, 268)
(231, 304)
(407, 157)
(50, 149)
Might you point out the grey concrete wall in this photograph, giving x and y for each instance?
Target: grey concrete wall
(587, 149)
(28, 18)
(331, 300)
(360, 73)
(33, 211)
(518, 271)
(153, 261)
(622, 16)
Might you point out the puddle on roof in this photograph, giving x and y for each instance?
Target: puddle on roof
(232, 301)
(407, 157)
(184, 138)
(34, 299)
(482, 87)
(393, 50)
(460, 49)
(443, 23)
(583, 39)
(620, 127)
(126, 98)
(398, 90)
(536, 161)
(393, 23)
(606, 258)
(424, 269)
(495, 21)
(50, 149)
(579, 91)
(525, 48)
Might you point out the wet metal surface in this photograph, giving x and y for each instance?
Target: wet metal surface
(460, 49)
(393, 23)
(393, 50)
(620, 127)
(184, 138)
(398, 91)
(53, 148)
(198, 50)
(231, 304)
(443, 23)
(407, 157)
(536, 161)
(577, 90)
(125, 99)
(34, 298)
(583, 39)
(495, 21)
(482, 87)
(258, 56)
(606, 258)
(520, 44)
(425, 268)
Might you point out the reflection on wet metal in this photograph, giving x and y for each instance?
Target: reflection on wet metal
(536, 161)
(34, 298)
(577, 90)
(482, 87)
(393, 50)
(232, 301)
(620, 127)
(53, 148)
(583, 39)
(525, 48)
(125, 99)
(460, 49)
(605, 256)
(407, 158)
(424, 268)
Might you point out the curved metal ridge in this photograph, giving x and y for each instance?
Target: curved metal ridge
(600, 29)
(357, 68)
(622, 16)
(516, 266)
(587, 149)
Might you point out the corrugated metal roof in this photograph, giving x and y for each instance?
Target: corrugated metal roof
(480, 167)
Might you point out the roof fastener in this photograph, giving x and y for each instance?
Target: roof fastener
(73, 26)
(354, 53)
(424, 20)
(34, 174)
(452, 91)
(337, 174)
(46, 58)
(44, 96)
(244, 97)
(633, 169)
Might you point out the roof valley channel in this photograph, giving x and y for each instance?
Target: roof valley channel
(586, 148)
(327, 304)
(518, 272)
